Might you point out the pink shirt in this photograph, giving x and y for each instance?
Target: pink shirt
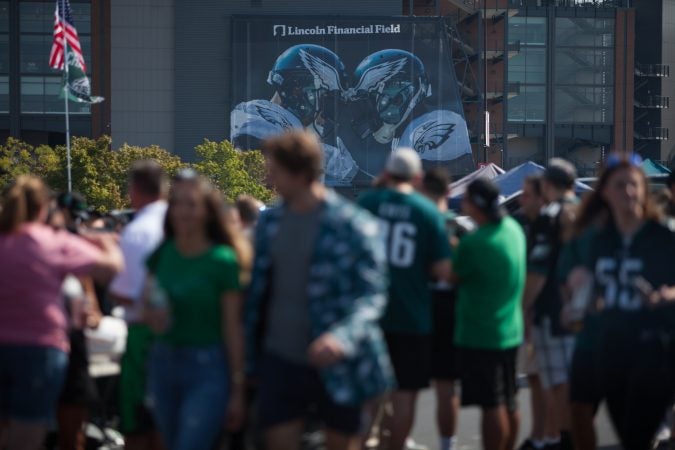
(33, 263)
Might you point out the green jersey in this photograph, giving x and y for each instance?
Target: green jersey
(415, 235)
(195, 286)
(491, 266)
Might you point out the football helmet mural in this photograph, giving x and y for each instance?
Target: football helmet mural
(309, 80)
(391, 83)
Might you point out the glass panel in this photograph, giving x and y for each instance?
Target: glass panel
(36, 17)
(578, 104)
(529, 106)
(584, 66)
(528, 30)
(42, 95)
(529, 66)
(81, 14)
(583, 32)
(4, 94)
(35, 53)
(85, 44)
(4, 53)
(4, 16)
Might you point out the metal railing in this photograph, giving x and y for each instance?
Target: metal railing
(652, 70)
(653, 134)
(653, 102)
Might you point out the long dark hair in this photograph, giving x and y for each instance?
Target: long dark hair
(218, 228)
(595, 211)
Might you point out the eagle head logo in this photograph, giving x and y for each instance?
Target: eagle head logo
(431, 135)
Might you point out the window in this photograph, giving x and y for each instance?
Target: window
(583, 32)
(584, 104)
(529, 105)
(44, 95)
(4, 17)
(528, 30)
(4, 94)
(584, 70)
(528, 68)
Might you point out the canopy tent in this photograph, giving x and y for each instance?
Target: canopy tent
(510, 183)
(458, 188)
(652, 168)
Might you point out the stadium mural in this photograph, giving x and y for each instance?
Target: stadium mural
(363, 86)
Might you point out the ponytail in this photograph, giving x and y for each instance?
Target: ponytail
(22, 202)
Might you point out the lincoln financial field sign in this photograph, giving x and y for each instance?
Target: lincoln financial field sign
(364, 87)
(286, 30)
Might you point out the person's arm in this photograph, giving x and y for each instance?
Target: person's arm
(442, 270)
(127, 286)
(534, 284)
(110, 260)
(440, 250)
(232, 303)
(92, 310)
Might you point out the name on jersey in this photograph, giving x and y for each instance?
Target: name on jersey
(394, 211)
(290, 30)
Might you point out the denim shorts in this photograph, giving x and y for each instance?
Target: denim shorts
(31, 379)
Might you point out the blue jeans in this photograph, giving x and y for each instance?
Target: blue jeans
(188, 390)
(31, 378)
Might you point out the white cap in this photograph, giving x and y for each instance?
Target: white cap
(404, 163)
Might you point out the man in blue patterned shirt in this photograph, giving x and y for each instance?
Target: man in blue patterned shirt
(318, 290)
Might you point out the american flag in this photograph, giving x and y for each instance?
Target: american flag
(63, 18)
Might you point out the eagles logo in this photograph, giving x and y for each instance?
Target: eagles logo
(431, 135)
(274, 117)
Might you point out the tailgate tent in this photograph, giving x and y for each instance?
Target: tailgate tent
(652, 168)
(511, 182)
(458, 188)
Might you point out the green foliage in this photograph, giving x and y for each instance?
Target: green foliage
(232, 171)
(100, 174)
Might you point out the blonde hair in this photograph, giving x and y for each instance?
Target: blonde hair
(22, 202)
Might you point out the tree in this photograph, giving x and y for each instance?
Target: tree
(100, 174)
(18, 158)
(232, 171)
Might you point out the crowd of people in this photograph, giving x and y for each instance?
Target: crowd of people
(251, 324)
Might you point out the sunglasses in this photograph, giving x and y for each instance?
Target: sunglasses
(186, 175)
(615, 159)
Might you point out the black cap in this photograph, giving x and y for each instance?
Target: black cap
(561, 173)
(484, 194)
(75, 204)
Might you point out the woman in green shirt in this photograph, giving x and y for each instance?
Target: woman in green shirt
(193, 303)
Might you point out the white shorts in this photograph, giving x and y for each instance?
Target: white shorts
(553, 355)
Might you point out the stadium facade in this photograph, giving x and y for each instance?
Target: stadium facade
(564, 78)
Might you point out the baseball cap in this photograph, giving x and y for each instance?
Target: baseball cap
(404, 163)
(560, 172)
(484, 194)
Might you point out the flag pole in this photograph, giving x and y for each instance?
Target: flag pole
(65, 96)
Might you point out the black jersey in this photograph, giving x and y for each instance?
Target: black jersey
(545, 244)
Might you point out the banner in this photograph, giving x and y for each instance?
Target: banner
(364, 86)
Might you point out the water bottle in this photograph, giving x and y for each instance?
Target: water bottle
(158, 301)
(580, 305)
(74, 296)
